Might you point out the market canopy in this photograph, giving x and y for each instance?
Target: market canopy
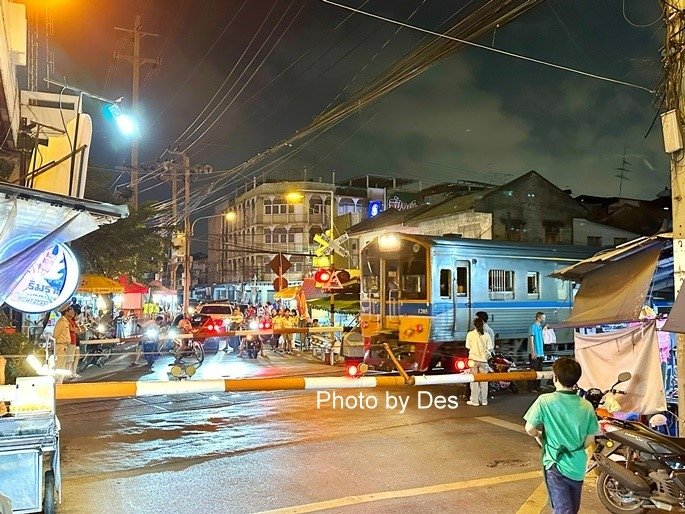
(132, 287)
(98, 284)
(613, 283)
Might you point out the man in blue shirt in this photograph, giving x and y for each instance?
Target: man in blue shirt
(536, 347)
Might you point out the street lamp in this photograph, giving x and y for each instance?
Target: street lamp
(298, 197)
(127, 125)
(229, 216)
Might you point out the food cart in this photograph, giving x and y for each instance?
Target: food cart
(29, 446)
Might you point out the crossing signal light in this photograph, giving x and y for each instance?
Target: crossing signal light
(322, 276)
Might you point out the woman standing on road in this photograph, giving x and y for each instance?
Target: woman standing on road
(480, 345)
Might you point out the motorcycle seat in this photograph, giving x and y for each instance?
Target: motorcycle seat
(666, 441)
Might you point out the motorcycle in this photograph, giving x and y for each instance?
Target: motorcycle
(96, 354)
(150, 344)
(640, 468)
(498, 363)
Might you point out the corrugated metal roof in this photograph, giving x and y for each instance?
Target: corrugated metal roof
(602, 258)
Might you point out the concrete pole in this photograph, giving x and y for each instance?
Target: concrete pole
(187, 263)
(136, 61)
(174, 207)
(134, 101)
(675, 83)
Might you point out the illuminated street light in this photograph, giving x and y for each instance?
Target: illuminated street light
(127, 125)
(229, 216)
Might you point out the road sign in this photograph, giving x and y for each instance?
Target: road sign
(280, 283)
(279, 264)
(328, 245)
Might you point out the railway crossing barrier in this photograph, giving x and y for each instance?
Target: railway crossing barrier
(95, 390)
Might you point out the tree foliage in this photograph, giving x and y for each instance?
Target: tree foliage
(127, 247)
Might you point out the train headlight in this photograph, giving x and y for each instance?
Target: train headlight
(389, 242)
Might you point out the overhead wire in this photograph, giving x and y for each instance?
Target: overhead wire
(247, 82)
(199, 63)
(155, 69)
(282, 104)
(228, 77)
(473, 26)
(639, 26)
(491, 49)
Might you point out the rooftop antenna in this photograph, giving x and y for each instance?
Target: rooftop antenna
(623, 171)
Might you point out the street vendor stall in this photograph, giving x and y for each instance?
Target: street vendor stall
(29, 446)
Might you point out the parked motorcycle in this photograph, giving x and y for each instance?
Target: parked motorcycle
(498, 363)
(641, 468)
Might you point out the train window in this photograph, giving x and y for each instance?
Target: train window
(371, 270)
(462, 281)
(501, 284)
(446, 283)
(533, 281)
(413, 279)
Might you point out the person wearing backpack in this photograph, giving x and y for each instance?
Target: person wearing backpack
(564, 424)
(480, 346)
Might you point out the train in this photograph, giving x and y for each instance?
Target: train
(420, 293)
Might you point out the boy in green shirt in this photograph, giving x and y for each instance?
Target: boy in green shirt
(564, 424)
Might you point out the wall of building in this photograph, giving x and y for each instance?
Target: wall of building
(474, 225)
(595, 234)
(265, 224)
(531, 209)
(13, 52)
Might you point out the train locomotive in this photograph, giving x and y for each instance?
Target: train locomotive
(420, 294)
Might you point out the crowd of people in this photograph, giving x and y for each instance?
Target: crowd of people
(265, 316)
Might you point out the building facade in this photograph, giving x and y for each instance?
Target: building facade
(265, 222)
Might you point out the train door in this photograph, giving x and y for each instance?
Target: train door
(463, 311)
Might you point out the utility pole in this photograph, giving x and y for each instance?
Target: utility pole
(186, 229)
(136, 61)
(672, 122)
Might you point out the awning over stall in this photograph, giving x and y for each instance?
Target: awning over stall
(614, 283)
(33, 221)
(98, 284)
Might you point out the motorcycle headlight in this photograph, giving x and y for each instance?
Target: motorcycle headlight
(102, 328)
(172, 333)
(151, 332)
(253, 325)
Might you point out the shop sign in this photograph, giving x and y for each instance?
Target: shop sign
(375, 208)
(402, 202)
(49, 282)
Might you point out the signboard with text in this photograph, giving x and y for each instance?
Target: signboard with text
(48, 283)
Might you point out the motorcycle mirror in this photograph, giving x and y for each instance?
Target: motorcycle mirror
(624, 377)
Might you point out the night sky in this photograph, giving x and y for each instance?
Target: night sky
(476, 115)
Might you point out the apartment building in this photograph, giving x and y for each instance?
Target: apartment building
(268, 220)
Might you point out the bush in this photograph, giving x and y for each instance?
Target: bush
(13, 343)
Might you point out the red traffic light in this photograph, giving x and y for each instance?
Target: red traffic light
(323, 276)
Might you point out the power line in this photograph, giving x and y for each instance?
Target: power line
(192, 73)
(491, 49)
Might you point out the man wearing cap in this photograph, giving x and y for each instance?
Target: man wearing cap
(62, 335)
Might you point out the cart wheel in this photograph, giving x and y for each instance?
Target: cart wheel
(49, 493)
